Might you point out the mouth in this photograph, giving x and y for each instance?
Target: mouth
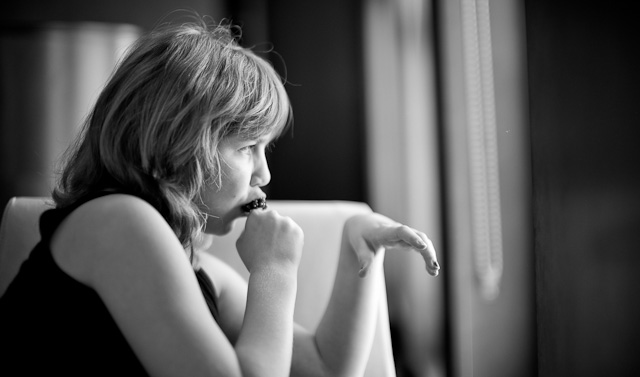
(254, 204)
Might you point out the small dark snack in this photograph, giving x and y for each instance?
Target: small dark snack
(255, 204)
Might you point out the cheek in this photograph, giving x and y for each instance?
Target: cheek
(233, 183)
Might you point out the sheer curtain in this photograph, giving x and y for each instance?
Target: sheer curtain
(403, 170)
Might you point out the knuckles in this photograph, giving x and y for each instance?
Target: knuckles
(273, 234)
(271, 218)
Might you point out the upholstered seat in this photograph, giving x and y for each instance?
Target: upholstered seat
(321, 222)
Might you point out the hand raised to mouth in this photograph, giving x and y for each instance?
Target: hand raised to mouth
(255, 204)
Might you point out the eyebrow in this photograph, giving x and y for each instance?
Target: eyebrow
(266, 139)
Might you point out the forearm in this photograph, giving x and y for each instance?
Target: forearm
(345, 334)
(264, 346)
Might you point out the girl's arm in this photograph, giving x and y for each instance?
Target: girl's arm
(270, 247)
(342, 342)
(123, 249)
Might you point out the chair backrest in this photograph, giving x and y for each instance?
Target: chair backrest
(321, 222)
(19, 233)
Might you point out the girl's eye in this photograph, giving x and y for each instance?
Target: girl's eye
(247, 148)
(250, 148)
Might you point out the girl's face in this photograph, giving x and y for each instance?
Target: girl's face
(244, 172)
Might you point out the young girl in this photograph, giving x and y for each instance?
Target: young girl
(173, 150)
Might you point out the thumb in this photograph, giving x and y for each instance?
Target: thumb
(365, 263)
(365, 257)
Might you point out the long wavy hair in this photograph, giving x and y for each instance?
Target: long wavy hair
(155, 128)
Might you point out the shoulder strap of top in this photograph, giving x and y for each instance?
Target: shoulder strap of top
(209, 292)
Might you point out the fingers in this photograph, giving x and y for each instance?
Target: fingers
(429, 255)
(423, 244)
(412, 237)
(369, 234)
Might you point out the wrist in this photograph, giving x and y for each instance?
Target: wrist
(282, 268)
(275, 278)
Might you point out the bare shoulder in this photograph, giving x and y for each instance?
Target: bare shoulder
(121, 207)
(115, 215)
(123, 249)
(108, 229)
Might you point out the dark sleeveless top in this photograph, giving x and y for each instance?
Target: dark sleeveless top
(51, 324)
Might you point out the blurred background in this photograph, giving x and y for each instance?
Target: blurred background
(507, 130)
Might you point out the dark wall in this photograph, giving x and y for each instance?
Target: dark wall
(143, 13)
(318, 46)
(584, 79)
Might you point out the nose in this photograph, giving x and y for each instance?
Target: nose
(261, 174)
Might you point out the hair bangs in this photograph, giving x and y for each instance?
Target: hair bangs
(268, 110)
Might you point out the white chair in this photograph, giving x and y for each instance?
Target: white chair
(321, 222)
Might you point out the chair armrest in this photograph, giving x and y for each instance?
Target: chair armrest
(322, 223)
